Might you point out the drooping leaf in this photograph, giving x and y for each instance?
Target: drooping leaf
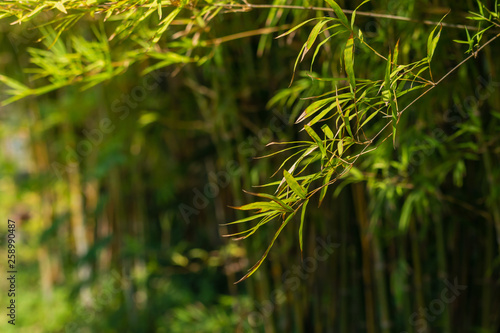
(301, 227)
(353, 15)
(273, 198)
(338, 11)
(166, 23)
(296, 27)
(294, 185)
(396, 54)
(432, 42)
(327, 130)
(340, 147)
(313, 108)
(261, 260)
(262, 206)
(316, 139)
(325, 184)
(349, 63)
(246, 219)
(312, 37)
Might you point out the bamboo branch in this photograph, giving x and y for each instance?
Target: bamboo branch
(248, 6)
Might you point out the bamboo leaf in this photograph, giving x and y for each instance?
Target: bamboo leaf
(432, 42)
(261, 260)
(312, 37)
(246, 219)
(389, 97)
(404, 220)
(273, 198)
(338, 11)
(302, 218)
(166, 23)
(60, 6)
(345, 118)
(396, 54)
(353, 16)
(296, 27)
(158, 5)
(322, 43)
(340, 147)
(16, 85)
(313, 108)
(328, 132)
(349, 63)
(325, 185)
(316, 139)
(261, 206)
(370, 117)
(294, 185)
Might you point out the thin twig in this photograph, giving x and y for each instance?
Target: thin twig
(257, 32)
(370, 142)
(474, 54)
(249, 6)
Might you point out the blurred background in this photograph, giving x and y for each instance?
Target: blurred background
(118, 190)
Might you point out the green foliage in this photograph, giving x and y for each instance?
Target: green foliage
(364, 86)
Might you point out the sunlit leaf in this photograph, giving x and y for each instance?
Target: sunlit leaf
(294, 185)
(338, 11)
(261, 260)
(349, 63)
(301, 227)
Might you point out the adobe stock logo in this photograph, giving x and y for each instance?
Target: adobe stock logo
(420, 318)
(201, 198)
(292, 280)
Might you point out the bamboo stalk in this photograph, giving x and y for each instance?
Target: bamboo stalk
(77, 218)
(41, 163)
(442, 267)
(417, 272)
(362, 217)
(344, 269)
(379, 263)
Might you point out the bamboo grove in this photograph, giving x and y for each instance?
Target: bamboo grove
(251, 166)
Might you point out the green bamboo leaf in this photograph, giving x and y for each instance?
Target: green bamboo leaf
(261, 206)
(338, 11)
(265, 220)
(323, 42)
(328, 132)
(158, 5)
(296, 27)
(269, 217)
(312, 37)
(166, 23)
(302, 218)
(316, 139)
(389, 98)
(387, 78)
(326, 180)
(353, 16)
(345, 118)
(294, 185)
(261, 260)
(314, 107)
(17, 86)
(396, 54)
(404, 220)
(349, 63)
(340, 147)
(246, 219)
(370, 117)
(60, 6)
(432, 42)
(273, 198)
(296, 63)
